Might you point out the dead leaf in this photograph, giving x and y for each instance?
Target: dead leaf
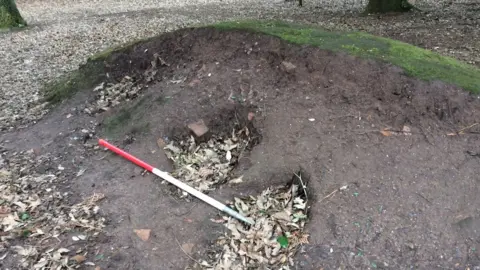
(188, 247)
(4, 211)
(99, 87)
(218, 221)
(79, 258)
(386, 133)
(406, 130)
(236, 180)
(250, 116)
(161, 143)
(194, 82)
(81, 172)
(143, 234)
(26, 252)
(304, 239)
(205, 172)
(284, 215)
(57, 255)
(173, 148)
(41, 263)
(10, 222)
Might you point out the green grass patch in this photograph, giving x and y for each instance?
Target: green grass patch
(85, 77)
(9, 20)
(416, 62)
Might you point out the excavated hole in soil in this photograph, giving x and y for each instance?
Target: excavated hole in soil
(394, 176)
(280, 214)
(207, 161)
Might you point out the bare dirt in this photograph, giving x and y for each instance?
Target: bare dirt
(411, 198)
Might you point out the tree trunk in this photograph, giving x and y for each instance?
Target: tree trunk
(9, 14)
(383, 6)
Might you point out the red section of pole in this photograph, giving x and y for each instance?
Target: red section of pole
(125, 155)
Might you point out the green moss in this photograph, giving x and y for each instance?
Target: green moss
(85, 77)
(416, 62)
(10, 16)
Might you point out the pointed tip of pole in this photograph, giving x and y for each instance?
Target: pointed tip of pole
(238, 216)
(248, 221)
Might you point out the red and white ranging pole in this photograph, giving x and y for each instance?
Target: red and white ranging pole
(220, 206)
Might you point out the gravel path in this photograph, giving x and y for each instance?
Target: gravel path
(62, 34)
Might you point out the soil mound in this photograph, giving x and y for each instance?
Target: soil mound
(393, 162)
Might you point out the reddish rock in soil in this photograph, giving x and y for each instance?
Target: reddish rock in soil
(194, 82)
(198, 128)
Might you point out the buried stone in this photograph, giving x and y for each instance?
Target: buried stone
(199, 129)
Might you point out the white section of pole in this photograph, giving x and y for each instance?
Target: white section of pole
(220, 206)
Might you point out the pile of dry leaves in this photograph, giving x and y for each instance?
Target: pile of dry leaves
(280, 215)
(110, 95)
(35, 217)
(208, 164)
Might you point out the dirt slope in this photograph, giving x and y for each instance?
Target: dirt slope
(411, 198)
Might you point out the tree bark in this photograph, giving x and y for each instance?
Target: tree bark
(9, 14)
(383, 6)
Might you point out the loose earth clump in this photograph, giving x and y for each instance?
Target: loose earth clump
(392, 160)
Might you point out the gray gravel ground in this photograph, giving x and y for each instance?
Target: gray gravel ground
(63, 33)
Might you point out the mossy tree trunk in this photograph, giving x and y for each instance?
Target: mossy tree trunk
(383, 6)
(9, 14)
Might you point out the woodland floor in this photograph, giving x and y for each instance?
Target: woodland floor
(411, 198)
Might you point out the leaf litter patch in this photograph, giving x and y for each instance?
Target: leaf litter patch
(35, 218)
(280, 215)
(206, 165)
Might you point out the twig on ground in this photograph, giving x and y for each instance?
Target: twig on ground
(188, 211)
(330, 195)
(342, 116)
(469, 127)
(103, 157)
(333, 192)
(461, 131)
(180, 246)
(304, 187)
(423, 197)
